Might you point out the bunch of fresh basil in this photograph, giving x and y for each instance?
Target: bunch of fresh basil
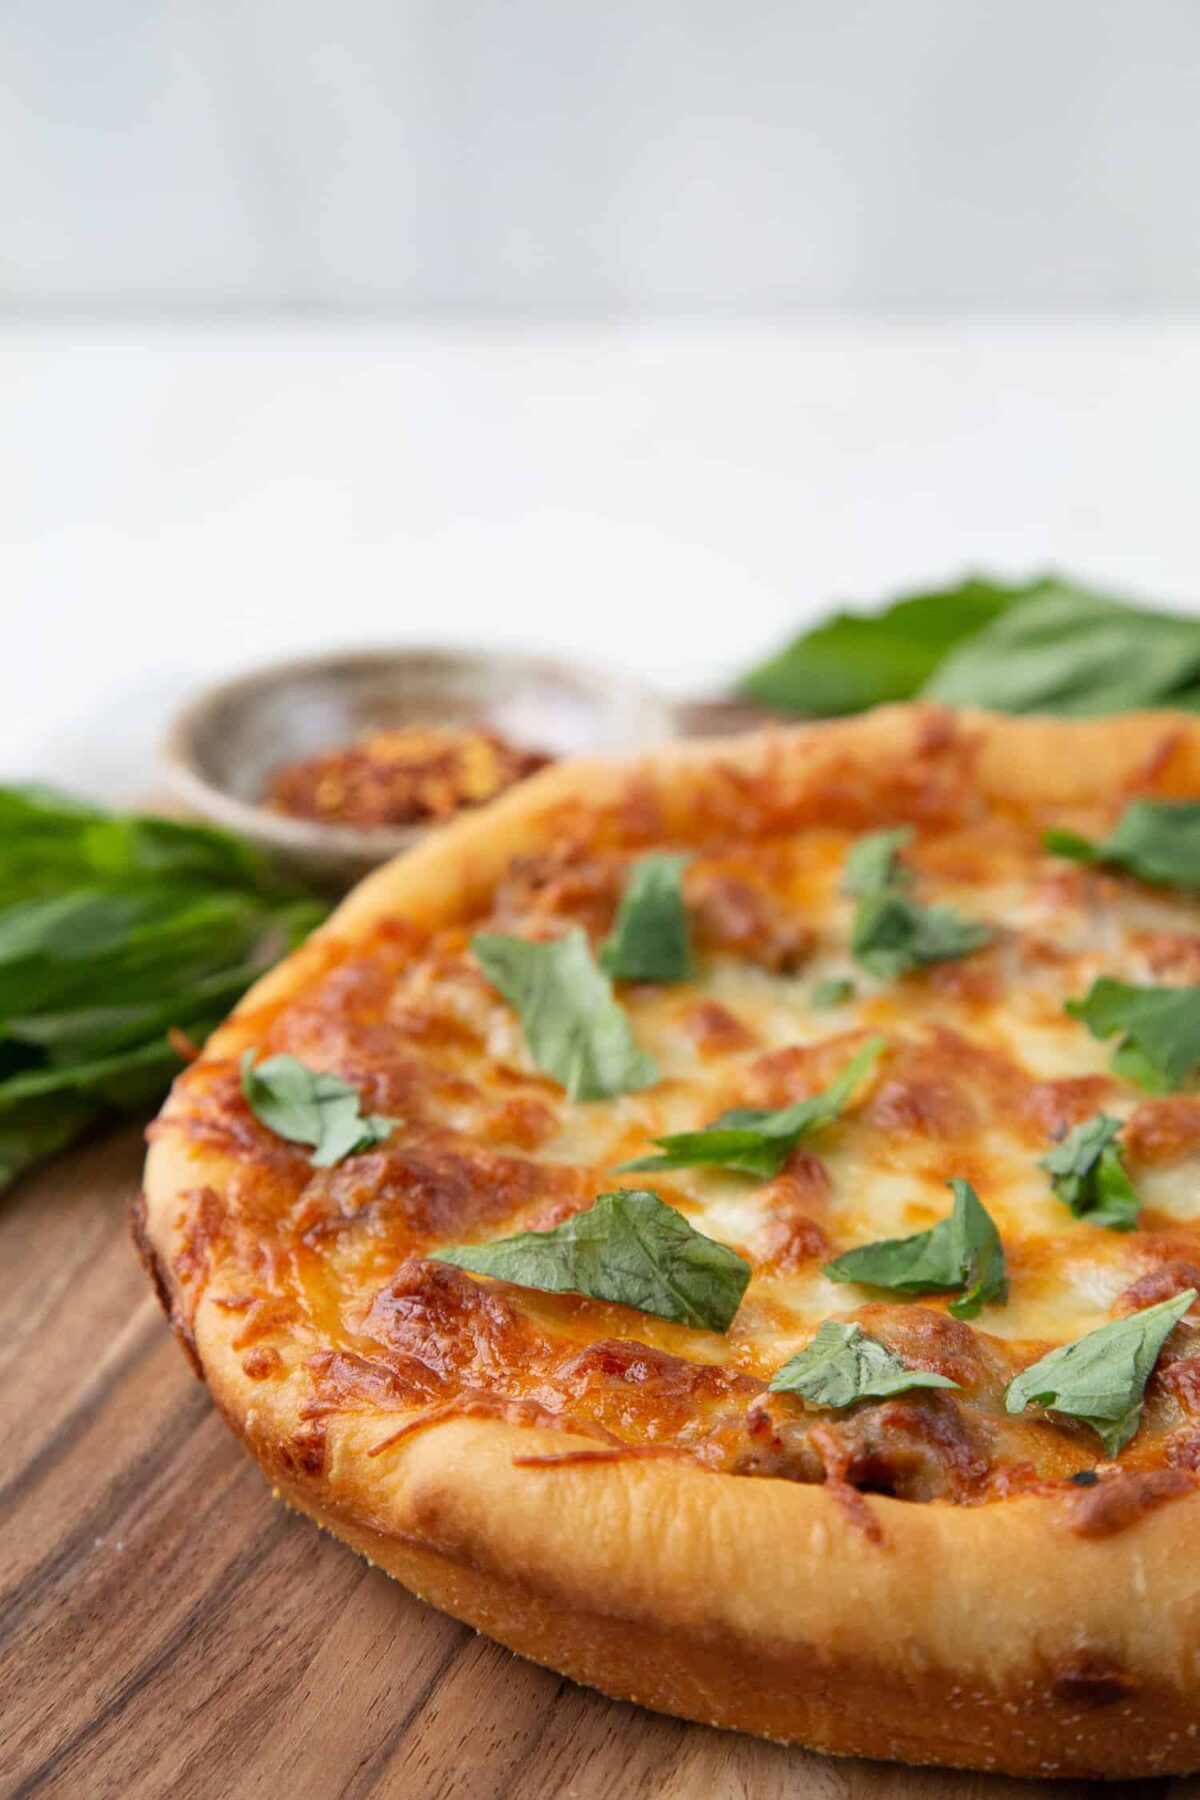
(115, 931)
(1050, 646)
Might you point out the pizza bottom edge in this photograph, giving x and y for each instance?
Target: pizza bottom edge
(806, 1696)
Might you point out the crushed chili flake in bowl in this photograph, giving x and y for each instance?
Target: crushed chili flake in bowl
(418, 736)
(401, 777)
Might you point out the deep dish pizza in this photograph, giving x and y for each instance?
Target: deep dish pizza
(729, 1227)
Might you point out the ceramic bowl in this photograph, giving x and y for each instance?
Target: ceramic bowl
(224, 746)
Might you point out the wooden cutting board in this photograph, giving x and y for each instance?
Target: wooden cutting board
(166, 1627)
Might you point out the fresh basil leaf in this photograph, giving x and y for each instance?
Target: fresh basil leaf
(35, 1128)
(114, 928)
(307, 1106)
(127, 1079)
(1102, 1377)
(1051, 645)
(1066, 649)
(574, 1027)
(842, 1364)
(828, 994)
(629, 1248)
(893, 934)
(651, 939)
(145, 945)
(53, 842)
(1158, 840)
(1159, 1026)
(873, 865)
(76, 927)
(755, 1141)
(854, 661)
(1087, 1174)
(35, 805)
(72, 1036)
(961, 1251)
(129, 848)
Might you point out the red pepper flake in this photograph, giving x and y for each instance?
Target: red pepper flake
(408, 776)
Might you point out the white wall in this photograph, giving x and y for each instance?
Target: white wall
(631, 154)
(178, 503)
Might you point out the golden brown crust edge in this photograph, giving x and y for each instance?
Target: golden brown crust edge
(992, 1637)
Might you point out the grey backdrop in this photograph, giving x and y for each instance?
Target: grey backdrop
(639, 154)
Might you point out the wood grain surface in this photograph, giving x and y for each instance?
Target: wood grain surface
(167, 1627)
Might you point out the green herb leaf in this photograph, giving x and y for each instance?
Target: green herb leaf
(1088, 1176)
(628, 1247)
(574, 1027)
(1067, 649)
(309, 1107)
(1160, 1027)
(962, 1251)
(756, 1141)
(53, 842)
(842, 1364)
(1102, 1377)
(828, 994)
(854, 661)
(70, 1037)
(1051, 645)
(1158, 840)
(873, 865)
(892, 934)
(651, 940)
(127, 1079)
(36, 1128)
(114, 928)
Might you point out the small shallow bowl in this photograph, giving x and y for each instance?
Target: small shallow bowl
(222, 748)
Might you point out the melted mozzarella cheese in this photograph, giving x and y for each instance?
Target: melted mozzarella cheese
(1066, 1274)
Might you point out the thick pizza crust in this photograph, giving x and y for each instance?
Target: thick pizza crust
(992, 1636)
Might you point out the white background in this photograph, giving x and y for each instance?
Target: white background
(630, 155)
(669, 500)
(643, 331)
